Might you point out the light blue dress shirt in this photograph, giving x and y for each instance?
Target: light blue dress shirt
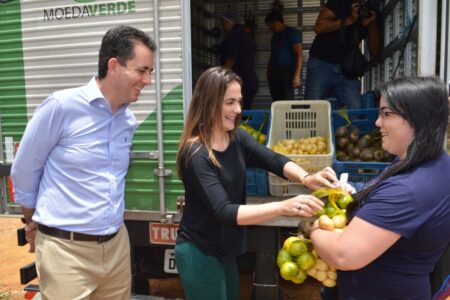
(72, 161)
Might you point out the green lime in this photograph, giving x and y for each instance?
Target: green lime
(300, 277)
(306, 260)
(282, 257)
(287, 242)
(297, 247)
(344, 201)
(329, 209)
(288, 270)
(320, 212)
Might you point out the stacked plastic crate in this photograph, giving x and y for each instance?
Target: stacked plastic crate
(299, 120)
(364, 120)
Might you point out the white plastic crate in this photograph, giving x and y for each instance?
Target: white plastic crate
(297, 120)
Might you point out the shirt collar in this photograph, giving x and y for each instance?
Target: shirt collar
(93, 91)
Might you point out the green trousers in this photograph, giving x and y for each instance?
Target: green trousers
(205, 277)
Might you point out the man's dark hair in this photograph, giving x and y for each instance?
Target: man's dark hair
(119, 42)
(274, 16)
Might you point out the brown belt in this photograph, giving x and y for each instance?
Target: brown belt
(75, 236)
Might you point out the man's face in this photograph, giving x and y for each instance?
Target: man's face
(135, 75)
(272, 26)
(226, 25)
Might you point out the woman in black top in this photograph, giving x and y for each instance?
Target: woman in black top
(212, 160)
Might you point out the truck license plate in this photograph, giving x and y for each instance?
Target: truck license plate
(169, 261)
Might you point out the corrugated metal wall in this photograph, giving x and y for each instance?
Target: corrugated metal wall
(395, 19)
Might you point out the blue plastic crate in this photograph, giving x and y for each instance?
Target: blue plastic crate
(358, 171)
(255, 118)
(364, 119)
(257, 178)
(367, 101)
(256, 182)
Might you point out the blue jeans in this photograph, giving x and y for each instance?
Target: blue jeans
(325, 79)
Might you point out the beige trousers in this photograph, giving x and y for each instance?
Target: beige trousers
(75, 270)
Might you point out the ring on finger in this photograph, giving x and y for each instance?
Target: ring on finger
(299, 207)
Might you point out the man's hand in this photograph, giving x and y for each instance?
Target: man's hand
(354, 14)
(296, 82)
(30, 234)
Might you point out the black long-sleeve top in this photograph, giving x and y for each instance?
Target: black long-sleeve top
(213, 194)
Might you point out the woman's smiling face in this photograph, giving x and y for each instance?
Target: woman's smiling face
(231, 106)
(397, 134)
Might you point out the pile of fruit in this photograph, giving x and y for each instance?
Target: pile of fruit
(256, 133)
(297, 259)
(311, 145)
(333, 215)
(352, 146)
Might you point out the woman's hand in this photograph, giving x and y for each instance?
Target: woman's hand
(302, 205)
(324, 178)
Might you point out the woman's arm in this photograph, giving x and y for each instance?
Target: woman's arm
(354, 248)
(323, 178)
(301, 206)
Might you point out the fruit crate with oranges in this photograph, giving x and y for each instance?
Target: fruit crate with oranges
(256, 122)
(296, 121)
(364, 120)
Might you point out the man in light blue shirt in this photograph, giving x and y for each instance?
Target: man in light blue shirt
(69, 174)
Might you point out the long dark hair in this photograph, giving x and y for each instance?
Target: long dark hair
(205, 111)
(423, 103)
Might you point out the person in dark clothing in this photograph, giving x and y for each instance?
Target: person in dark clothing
(399, 222)
(324, 76)
(238, 51)
(213, 155)
(286, 59)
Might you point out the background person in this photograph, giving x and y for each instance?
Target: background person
(324, 76)
(238, 50)
(212, 160)
(69, 173)
(400, 222)
(285, 63)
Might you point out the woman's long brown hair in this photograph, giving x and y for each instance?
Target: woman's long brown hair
(205, 112)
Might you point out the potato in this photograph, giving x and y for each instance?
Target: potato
(320, 265)
(329, 283)
(332, 275)
(321, 275)
(326, 223)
